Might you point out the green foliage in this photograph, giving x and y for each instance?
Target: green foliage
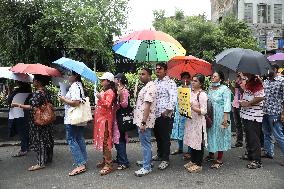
(43, 30)
(203, 38)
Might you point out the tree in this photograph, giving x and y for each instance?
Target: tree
(203, 38)
(81, 29)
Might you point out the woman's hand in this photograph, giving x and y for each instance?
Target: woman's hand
(15, 105)
(61, 98)
(244, 104)
(99, 96)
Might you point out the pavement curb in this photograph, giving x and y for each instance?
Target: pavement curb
(63, 142)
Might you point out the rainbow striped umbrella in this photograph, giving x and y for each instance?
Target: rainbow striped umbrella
(149, 46)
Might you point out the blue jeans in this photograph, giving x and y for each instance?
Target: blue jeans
(20, 126)
(145, 139)
(180, 146)
(76, 141)
(121, 152)
(271, 124)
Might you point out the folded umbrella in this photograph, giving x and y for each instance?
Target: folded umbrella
(6, 73)
(244, 60)
(190, 64)
(78, 67)
(35, 69)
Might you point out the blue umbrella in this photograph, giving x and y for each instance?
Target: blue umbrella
(78, 67)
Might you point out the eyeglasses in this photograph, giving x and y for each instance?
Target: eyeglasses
(158, 68)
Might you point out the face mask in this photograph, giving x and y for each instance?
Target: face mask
(216, 84)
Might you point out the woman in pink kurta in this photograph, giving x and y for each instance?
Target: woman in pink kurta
(103, 121)
(195, 134)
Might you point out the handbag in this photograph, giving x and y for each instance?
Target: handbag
(124, 118)
(81, 114)
(44, 114)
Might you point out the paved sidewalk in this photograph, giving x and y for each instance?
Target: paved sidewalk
(233, 174)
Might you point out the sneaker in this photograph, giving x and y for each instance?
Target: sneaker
(140, 164)
(142, 172)
(163, 165)
(156, 158)
(254, 165)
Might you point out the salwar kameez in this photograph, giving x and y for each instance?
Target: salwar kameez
(41, 137)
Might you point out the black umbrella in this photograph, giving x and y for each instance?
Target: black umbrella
(244, 60)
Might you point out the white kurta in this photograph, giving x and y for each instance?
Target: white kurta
(195, 126)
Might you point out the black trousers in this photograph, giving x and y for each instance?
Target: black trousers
(253, 135)
(197, 156)
(238, 124)
(162, 132)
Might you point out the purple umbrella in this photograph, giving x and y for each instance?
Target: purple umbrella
(275, 57)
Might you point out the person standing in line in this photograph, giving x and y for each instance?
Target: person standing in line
(252, 114)
(103, 122)
(75, 133)
(179, 121)
(144, 118)
(120, 138)
(273, 109)
(18, 118)
(41, 138)
(219, 135)
(166, 101)
(236, 111)
(195, 129)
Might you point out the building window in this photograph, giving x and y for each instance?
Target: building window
(263, 13)
(278, 13)
(248, 13)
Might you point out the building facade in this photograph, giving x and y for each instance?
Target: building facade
(265, 17)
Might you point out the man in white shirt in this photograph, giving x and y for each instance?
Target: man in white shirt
(18, 121)
(166, 101)
(144, 118)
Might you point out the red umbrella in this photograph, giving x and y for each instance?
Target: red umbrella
(191, 64)
(35, 69)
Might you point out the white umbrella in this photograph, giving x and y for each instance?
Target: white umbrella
(6, 73)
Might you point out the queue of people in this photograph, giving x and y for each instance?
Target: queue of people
(257, 107)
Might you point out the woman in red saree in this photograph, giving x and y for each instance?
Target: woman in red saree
(103, 121)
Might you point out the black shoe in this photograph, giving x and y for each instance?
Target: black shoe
(266, 156)
(238, 145)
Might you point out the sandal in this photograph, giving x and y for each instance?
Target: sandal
(209, 158)
(122, 167)
(20, 153)
(254, 165)
(194, 169)
(244, 157)
(188, 165)
(106, 170)
(100, 164)
(186, 156)
(36, 167)
(176, 152)
(216, 165)
(77, 171)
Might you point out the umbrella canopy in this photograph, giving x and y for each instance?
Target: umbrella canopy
(6, 73)
(244, 60)
(275, 57)
(35, 69)
(149, 46)
(78, 67)
(191, 64)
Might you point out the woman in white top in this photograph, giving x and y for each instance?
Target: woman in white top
(75, 133)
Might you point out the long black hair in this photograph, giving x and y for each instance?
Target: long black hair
(113, 88)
